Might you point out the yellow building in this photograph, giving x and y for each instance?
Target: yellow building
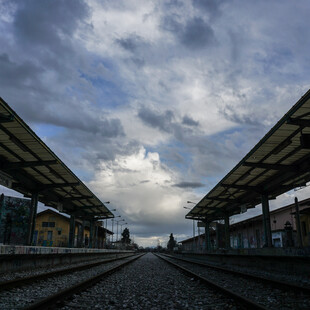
(52, 229)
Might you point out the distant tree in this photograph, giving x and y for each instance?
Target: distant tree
(159, 248)
(171, 243)
(126, 236)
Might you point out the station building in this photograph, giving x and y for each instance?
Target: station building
(52, 229)
(249, 233)
(29, 167)
(278, 163)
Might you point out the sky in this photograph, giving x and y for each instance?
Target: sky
(152, 103)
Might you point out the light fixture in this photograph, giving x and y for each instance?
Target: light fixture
(191, 202)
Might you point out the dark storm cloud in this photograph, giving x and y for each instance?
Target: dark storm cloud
(19, 75)
(109, 128)
(48, 24)
(85, 151)
(245, 116)
(189, 185)
(189, 121)
(173, 4)
(195, 34)
(131, 43)
(211, 7)
(162, 121)
(136, 46)
(145, 181)
(39, 82)
(41, 66)
(242, 119)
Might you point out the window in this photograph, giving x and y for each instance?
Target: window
(48, 224)
(49, 235)
(59, 232)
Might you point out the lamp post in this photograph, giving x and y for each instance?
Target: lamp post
(112, 227)
(198, 245)
(193, 229)
(117, 228)
(106, 220)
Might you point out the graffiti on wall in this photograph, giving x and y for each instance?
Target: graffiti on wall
(14, 220)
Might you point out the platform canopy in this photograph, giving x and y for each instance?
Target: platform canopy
(278, 163)
(28, 166)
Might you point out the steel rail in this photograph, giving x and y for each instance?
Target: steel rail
(247, 303)
(30, 279)
(58, 298)
(282, 284)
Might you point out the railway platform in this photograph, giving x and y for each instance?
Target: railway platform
(293, 261)
(14, 257)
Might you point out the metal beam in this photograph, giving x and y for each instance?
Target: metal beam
(57, 185)
(225, 200)
(6, 118)
(19, 165)
(103, 217)
(256, 189)
(298, 122)
(91, 207)
(270, 166)
(76, 198)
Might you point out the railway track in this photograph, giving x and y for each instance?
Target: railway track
(305, 288)
(21, 280)
(255, 292)
(44, 291)
(150, 283)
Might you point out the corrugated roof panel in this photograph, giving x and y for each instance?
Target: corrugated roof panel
(275, 164)
(31, 156)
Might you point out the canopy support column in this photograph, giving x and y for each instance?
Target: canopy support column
(91, 233)
(227, 234)
(72, 231)
(83, 233)
(266, 220)
(33, 215)
(207, 237)
(299, 236)
(96, 236)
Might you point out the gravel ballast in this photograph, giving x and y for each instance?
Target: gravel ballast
(150, 283)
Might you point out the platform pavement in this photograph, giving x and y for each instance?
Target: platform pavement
(20, 249)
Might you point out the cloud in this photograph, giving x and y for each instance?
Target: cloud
(162, 121)
(16, 74)
(195, 34)
(143, 202)
(130, 43)
(212, 8)
(189, 185)
(48, 27)
(138, 96)
(189, 121)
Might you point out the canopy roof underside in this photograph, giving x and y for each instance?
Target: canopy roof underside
(33, 168)
(278, 163)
